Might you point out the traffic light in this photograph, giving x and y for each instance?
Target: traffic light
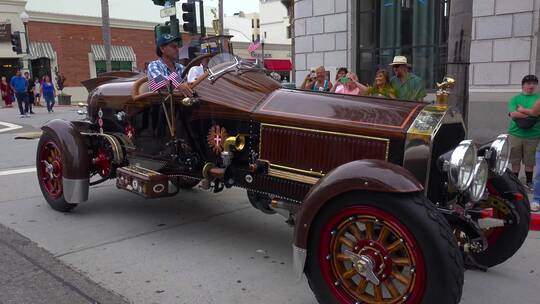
(16, 42)
(189, 17)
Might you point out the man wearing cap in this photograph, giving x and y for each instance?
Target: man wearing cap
(407, 85)
(167, 51)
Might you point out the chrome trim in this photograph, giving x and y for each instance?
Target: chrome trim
(299, 261)
(75, 190)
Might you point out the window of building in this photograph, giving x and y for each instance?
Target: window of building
(258, 37)
(264, 35)
(101, 66)
(252, 37)
(258, 23)
(252, 23)
(416, 29)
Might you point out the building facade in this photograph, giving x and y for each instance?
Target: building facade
(274, 25)
(365, 35)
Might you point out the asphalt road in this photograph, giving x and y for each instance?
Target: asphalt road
(197, 247)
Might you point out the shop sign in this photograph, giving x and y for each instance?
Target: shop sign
(5, 32)
(259, 55)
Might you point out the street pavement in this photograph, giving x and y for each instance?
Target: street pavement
(197, 247)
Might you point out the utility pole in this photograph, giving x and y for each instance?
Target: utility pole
(459, 50)
(221, 17)
(106, 29)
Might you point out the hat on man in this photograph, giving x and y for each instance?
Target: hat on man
(399, 60)
(166, 39)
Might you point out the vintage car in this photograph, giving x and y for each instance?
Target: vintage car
(388, 200)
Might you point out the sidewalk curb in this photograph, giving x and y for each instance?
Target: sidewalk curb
(73, 283)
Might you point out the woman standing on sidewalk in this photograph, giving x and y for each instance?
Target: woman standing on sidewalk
(48, 92)
(7, 93)
(37, 92)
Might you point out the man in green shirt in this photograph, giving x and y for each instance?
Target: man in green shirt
(407, 85)
(524, 141)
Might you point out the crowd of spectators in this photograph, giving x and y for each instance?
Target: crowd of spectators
(401, 84)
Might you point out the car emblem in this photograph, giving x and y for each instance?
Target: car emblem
(216, 137)
(129, 131)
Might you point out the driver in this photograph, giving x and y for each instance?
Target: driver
(167, 51)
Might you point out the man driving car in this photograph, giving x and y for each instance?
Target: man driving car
(167, 51)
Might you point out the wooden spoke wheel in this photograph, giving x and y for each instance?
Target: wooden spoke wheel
(383, 248)
(369, 256)
(50, 169)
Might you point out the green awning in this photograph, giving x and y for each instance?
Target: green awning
(41, 50)
(118, 52)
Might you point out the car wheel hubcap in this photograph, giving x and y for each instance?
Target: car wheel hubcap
(368, 256)
(50, 169)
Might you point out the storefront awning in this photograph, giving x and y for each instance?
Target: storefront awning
(118, 52)
(41, 50)
(278, 65)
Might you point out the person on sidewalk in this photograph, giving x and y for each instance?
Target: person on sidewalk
(29, 92)
(37, 92)
(381, 86)
(524, 139)
(19, 85)
(407, 85)
(349, 85)
(316, 81)
(7, 92)
(48, 92)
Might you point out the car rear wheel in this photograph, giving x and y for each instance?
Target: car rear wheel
(382, 248)
(49, 165)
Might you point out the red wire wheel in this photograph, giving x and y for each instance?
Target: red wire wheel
(392, 254)
(102, 163)
(504, 242)
(50, 168)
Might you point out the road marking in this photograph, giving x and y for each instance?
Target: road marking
(18, 171)
(9, 126)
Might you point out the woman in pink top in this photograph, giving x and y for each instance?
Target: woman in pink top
(349, 85)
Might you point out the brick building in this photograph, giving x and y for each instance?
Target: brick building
(78, 47)
(365, 35)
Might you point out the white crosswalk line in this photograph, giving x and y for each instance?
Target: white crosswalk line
(18, 171)
(10, 126)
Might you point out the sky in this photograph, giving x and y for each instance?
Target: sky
(143, 10)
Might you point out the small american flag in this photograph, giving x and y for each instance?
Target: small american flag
(253, 46)
(157, 83)
(175, 79)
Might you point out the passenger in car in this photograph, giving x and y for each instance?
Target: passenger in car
(381, 86)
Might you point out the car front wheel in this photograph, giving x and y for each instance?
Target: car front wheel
(383, 248)
(49, 166)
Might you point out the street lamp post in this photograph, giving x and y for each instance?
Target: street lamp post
(24, 18)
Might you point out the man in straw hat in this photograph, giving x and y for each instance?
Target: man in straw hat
(407, 85)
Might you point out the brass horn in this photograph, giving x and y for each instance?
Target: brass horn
(238, 142)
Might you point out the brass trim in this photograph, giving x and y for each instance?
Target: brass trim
(316, 174)
(293, 176)
(386, 140)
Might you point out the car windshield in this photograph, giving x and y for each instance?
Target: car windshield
(225, 62)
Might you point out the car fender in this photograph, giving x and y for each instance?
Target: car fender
(360, 175)
(76, 163)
